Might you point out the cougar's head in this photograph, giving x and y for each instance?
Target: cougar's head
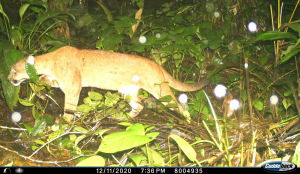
(18, 72)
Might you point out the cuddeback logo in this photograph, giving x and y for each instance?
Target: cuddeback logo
(279, 166)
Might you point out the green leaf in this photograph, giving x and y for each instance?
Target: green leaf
(43, 18)
(78, 139)
(39, 3)
(177, 30)
(286, 103)
(234, 77)
(185, 147)
(189, 31)
(148, 129)
(263, 59)
(40, 142)
(7, 60)
(154, 158)
(65, 142)
(167, 98)
(137, 158)
(11, 163)
(3, 13)
(112, 41)
(93, 161)
(25, 102)
(55, 43)
(22, 10)
(111, 99)
(107, 12)
(294, 26)
(39, 127)
(293, 51)
(214, 44)
(100, 132)
(48, 119)
(85, 20)
(11, 93)
(84, 108)
(287, 92)
(16, 35)
(125, 124)
(80, 129)
(95, 95)
(28, 128)
(206, 25)
(258, 105)
(275, 35)
(296, 157)
(244, 95)
(31, 71)
(128, 139)
(92, 103)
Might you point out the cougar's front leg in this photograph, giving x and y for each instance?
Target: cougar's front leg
(72, 91)
(135, 104)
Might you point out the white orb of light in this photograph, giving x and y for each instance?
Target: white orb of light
(16, 116)
(220, 91)
(135, 78)
(183, 98)
(274, 99)
(157, 35)
(216, 14)
(234, 104)
(142, 39)
(252, 26)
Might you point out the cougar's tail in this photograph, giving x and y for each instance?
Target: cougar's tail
(183, 86)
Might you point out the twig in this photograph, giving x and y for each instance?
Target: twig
(249, 96)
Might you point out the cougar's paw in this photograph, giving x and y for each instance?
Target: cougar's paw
(133, 113)
(68, 117)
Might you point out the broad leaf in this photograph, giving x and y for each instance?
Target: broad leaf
(185, 147)
(31, 71)
(275, 35)
(167, 98)
(25, 102)
(95, 95)
(22, 9)
(38, 127)
(92, 161)
(133, 137)
(154, 158)
(258, 105)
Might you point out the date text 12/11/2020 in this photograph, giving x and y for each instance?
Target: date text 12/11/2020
(150, 170)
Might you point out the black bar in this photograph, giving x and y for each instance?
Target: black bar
(129, 170)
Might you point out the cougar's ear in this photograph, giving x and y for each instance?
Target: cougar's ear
(30, 60)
